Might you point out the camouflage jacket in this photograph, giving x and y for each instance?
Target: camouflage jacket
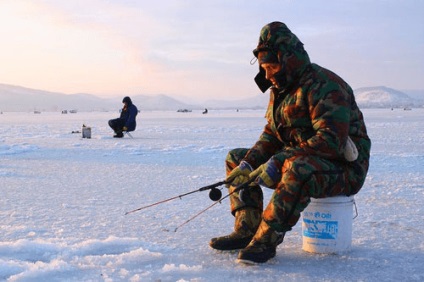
(312, 112)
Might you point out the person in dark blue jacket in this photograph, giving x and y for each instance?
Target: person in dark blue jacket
(126, 121)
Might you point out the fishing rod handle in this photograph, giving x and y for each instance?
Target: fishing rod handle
(212, 186)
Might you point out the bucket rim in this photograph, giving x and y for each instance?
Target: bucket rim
(333, 200)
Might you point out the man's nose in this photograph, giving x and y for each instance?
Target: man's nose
(268, 74)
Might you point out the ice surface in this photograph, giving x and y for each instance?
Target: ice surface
(63, 200)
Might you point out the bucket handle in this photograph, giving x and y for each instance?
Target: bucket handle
(356, 209)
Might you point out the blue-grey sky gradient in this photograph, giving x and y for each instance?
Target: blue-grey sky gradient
(202, 49)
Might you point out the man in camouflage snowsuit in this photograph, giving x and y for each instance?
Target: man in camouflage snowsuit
(315, 144)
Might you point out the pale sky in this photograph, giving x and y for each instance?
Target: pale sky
(201, 49)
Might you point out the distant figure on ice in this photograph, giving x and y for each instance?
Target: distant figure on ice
(126, 121)
(315, 144)
(205, 111)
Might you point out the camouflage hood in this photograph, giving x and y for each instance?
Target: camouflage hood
(281, 43)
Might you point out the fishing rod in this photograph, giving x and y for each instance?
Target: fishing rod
(241, 187)
(215, 194)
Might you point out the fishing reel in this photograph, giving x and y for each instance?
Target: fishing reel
(215, 194)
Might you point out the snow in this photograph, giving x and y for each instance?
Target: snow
(64, 198)
(383, 97)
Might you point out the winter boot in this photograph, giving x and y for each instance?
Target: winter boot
(246, 222)
(118, 134)
(262, 247)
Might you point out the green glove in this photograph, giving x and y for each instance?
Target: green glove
(268, 174)
(240, 174)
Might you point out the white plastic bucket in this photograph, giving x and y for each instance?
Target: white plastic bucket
(327, 225)
(86, 132)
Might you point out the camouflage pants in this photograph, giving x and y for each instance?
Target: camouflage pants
(303, 177)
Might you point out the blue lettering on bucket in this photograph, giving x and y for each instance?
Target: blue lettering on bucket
(320, 229)
(317, 214)
(326, 215)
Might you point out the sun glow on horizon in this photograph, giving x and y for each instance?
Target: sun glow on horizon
(199, 49)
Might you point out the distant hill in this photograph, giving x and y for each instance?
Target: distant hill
(17, 98)
(416, 94)
(257, 102)
(383, 97)
(160, 103)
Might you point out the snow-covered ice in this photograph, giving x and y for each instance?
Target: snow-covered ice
(63, 201)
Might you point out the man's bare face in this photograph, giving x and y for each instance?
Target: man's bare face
(270, 69)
